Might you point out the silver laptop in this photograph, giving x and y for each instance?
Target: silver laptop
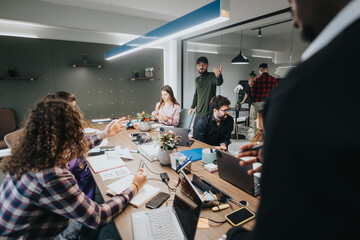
(230, 170)
(182, 132)
(177, 222)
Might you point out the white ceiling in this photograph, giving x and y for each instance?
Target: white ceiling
(110, 21)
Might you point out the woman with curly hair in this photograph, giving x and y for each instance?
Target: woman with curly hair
(39, 194)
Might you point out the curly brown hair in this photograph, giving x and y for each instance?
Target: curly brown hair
(53, 135)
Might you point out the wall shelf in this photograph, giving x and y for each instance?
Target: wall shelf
(151, 79)
(29, 78)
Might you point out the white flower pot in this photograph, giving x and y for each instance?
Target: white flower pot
(145, 126)
(164, 156)
(149, 74)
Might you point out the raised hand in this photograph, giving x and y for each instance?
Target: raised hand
(217, 71)
(114, 127)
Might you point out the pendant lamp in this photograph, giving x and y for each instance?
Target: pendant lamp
(240, 58)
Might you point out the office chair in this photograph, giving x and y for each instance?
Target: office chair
(185, 120)
(13, 137)
(7, 124)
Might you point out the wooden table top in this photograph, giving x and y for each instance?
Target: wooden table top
(123, 221)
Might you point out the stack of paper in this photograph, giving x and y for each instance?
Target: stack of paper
(149, 151)
(105, 162)
(5, 152)
(144, 195)
(101, 120)
(91, 130)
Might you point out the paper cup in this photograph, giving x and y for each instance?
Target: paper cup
(208, 156)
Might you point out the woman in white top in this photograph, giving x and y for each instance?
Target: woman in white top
(167, 111)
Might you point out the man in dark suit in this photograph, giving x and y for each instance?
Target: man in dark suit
(309, 183)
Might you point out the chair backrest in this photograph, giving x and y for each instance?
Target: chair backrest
(7, 122)
(13, 137)
(185, 120)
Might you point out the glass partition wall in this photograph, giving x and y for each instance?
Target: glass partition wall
(267, 39)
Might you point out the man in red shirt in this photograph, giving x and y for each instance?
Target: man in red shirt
(261, 88)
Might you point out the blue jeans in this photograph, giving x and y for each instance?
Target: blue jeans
(71, 232)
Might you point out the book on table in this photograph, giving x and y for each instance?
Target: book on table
(144, 195)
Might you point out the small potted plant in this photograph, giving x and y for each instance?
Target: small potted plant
(136, 73)
(167, 142)
(237, 90)
(144, 121)
(11, 71)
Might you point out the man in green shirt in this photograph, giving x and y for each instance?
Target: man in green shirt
(205, 88)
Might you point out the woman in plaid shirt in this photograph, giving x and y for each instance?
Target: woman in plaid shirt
(39, 194)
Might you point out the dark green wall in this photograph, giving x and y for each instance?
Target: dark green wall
(105, 92)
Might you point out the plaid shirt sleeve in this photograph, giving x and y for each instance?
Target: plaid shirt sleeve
(94, 140)
(62, 195)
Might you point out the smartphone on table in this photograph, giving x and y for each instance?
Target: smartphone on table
(240, 216)
(156, 201)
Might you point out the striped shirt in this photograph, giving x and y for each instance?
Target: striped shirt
(39, 205)
(262, 87)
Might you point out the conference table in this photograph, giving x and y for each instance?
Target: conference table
(123, 221)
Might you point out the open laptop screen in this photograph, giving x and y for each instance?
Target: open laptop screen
(187, 206)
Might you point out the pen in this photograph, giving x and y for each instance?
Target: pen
(253, 148)
(184, 165)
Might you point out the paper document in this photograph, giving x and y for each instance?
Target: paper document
(115, 173)
(91, 130)
(101, 120)
(5, 152)
(121, 152)
(144, 195)
(105, 162)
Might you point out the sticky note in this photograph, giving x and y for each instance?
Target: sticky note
(203, 223)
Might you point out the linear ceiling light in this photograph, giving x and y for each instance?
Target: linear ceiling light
(208, 15)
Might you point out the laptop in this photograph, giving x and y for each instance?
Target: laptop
(230, 170)
(176, 222)
(182, 132)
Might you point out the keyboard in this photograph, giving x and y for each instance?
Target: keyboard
(162, 224)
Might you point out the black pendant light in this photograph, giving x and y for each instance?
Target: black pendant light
(240, 58)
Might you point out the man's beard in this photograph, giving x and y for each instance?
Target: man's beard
(203, 71)
(307, 34)
(222, 117)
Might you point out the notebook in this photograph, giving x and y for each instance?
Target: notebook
(230, 170)
(195, 154)
(149, 151)
(176, 222)
(144, 195)
(104, 162)
(182, 132)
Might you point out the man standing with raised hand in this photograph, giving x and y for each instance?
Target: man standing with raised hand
(205, 88)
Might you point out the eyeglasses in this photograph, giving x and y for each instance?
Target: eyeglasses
(225, 110)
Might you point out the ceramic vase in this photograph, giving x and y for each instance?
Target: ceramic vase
(149, 74)
(145, 126)
(164, 156)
